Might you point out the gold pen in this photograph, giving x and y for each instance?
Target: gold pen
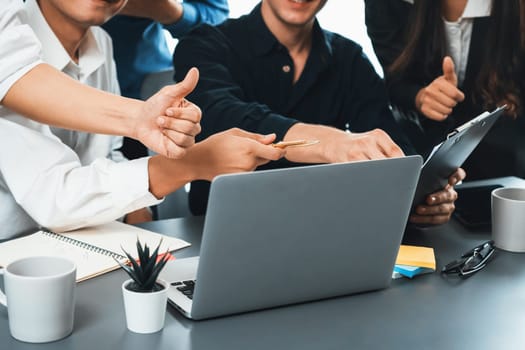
(295, 143)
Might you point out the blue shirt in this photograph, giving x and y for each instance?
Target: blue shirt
(140, 46)
(246, 81)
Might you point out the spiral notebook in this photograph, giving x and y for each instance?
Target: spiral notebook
(93, 249)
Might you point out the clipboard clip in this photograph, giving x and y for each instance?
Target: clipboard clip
(475, 120)
(452, 133)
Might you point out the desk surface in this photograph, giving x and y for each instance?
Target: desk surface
(486, 311)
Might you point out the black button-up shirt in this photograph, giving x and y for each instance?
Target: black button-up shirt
(246, 81)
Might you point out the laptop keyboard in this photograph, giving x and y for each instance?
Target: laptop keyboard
(185, 287)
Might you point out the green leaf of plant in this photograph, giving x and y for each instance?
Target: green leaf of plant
(145, 272)
(143, 253)
(152, 261)
(128, 270)
(152, 278)
(139, 275)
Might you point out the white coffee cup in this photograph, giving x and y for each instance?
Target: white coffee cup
(40, 298)
(508, 218)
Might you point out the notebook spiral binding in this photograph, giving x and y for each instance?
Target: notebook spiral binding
(83, 245)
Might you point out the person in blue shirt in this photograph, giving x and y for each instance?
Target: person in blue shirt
(140, 47)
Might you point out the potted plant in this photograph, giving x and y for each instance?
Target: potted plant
(145, 296)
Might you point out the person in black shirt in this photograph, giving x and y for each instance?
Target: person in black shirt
(276, 70)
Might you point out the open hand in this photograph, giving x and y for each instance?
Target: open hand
(375, 144)
(339, 146)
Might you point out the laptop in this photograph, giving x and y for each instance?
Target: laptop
(293, 235)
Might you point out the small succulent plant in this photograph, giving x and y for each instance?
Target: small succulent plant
(145, 272)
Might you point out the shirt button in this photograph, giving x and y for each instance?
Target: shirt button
(286, 68)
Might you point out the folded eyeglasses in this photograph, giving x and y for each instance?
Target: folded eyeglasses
(472, 261)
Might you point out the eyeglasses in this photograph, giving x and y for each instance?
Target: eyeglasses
(472, 261)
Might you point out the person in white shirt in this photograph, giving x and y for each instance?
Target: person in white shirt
(62, 179)
(67, 103)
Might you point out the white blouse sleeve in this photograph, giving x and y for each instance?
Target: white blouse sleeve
(46, 179)
(20, 50)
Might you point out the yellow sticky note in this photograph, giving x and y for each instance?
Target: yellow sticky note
(416, 256)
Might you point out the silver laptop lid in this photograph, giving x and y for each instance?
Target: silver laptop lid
(291, 235)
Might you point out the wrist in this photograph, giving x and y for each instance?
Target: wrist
(200, 167)
(132, 117)
(121, 113)
(318, 153)
(167, 175)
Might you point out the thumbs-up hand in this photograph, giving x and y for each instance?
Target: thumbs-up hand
(437, 99)
(167, 123)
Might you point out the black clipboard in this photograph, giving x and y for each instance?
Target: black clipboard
(450, 154)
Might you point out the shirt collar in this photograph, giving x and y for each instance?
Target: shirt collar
(263, 41)
(474, 8)
(477, 8)
(91, 56)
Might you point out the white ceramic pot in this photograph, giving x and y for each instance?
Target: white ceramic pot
(145, 312)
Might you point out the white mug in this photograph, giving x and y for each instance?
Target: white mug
(508, 218)
(40, 298)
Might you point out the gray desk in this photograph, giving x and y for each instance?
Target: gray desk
(486, 311)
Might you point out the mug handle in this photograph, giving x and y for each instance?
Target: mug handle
(3, 299)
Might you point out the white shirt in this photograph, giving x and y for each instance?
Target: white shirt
(19, 48)
(63, 179)
(459, 33)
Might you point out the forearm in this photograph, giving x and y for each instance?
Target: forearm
(232, 151)
(168, 12)
(168, 175)
(314, 153)
(162, 11)
(197, 12)
(72, 105)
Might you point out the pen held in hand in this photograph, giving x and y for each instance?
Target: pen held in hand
(295, 143)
